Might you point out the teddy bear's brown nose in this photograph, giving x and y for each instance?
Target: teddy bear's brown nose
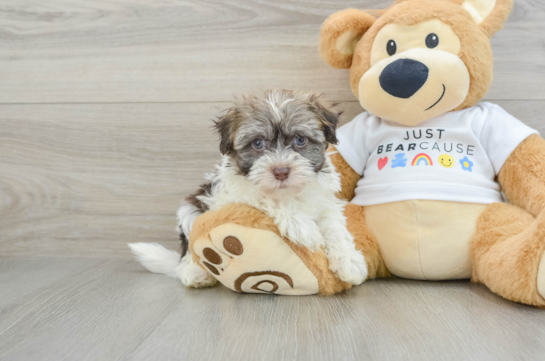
(403, 78)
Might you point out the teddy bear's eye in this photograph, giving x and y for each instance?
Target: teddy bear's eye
(391, 48)
(432, 40)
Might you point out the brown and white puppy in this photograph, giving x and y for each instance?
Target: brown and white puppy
(274, 158)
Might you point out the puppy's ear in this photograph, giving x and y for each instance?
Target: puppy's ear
(327, 115)
(489, 14)
(225, 128)
(340, 34)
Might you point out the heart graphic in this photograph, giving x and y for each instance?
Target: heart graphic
(382, 163)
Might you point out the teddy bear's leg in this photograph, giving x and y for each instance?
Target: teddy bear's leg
(507, 253)
(365, 241)
(242, 248)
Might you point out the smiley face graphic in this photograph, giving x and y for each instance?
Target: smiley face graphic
(446, 161)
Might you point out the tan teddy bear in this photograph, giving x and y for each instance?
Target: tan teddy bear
(424, 166)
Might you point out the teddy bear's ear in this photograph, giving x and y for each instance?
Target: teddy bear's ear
(339, 35)
(489, 14)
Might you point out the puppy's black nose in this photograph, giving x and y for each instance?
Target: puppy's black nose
(403, 78)
(281, 173)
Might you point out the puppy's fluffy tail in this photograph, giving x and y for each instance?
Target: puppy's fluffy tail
(156, 258)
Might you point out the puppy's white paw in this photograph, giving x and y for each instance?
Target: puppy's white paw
(192, 275)
(302, 232)
(350, 268)
(186, 215)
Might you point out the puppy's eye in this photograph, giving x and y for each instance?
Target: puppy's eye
(432, 40)
(391, 48)
(300, 141)
(258, 144)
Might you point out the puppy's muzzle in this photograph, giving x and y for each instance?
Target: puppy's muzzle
(281, 173)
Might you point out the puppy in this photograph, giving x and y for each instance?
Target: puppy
(273, 147)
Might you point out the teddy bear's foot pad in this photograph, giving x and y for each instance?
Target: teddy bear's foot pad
(254, 261)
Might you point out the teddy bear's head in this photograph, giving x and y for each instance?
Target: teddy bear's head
(419, 58)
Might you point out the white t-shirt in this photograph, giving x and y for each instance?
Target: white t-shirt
(453, 157)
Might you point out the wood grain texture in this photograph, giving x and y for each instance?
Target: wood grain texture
(85, 179)
(186, 51)
(70, 309)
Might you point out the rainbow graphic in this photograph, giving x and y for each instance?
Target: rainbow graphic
(422, 158)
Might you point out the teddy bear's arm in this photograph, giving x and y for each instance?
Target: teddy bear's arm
(349, 177)
(355, 218)
(522, 177)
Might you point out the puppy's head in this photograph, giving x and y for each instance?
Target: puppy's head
(277, 139)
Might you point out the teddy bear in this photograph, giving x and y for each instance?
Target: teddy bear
(425, 167)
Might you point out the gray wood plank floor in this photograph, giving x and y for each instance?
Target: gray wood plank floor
(92, 309)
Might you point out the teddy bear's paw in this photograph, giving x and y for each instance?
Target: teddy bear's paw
(192, 275)
(350, 268)
(254, 261)
(541, 277)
